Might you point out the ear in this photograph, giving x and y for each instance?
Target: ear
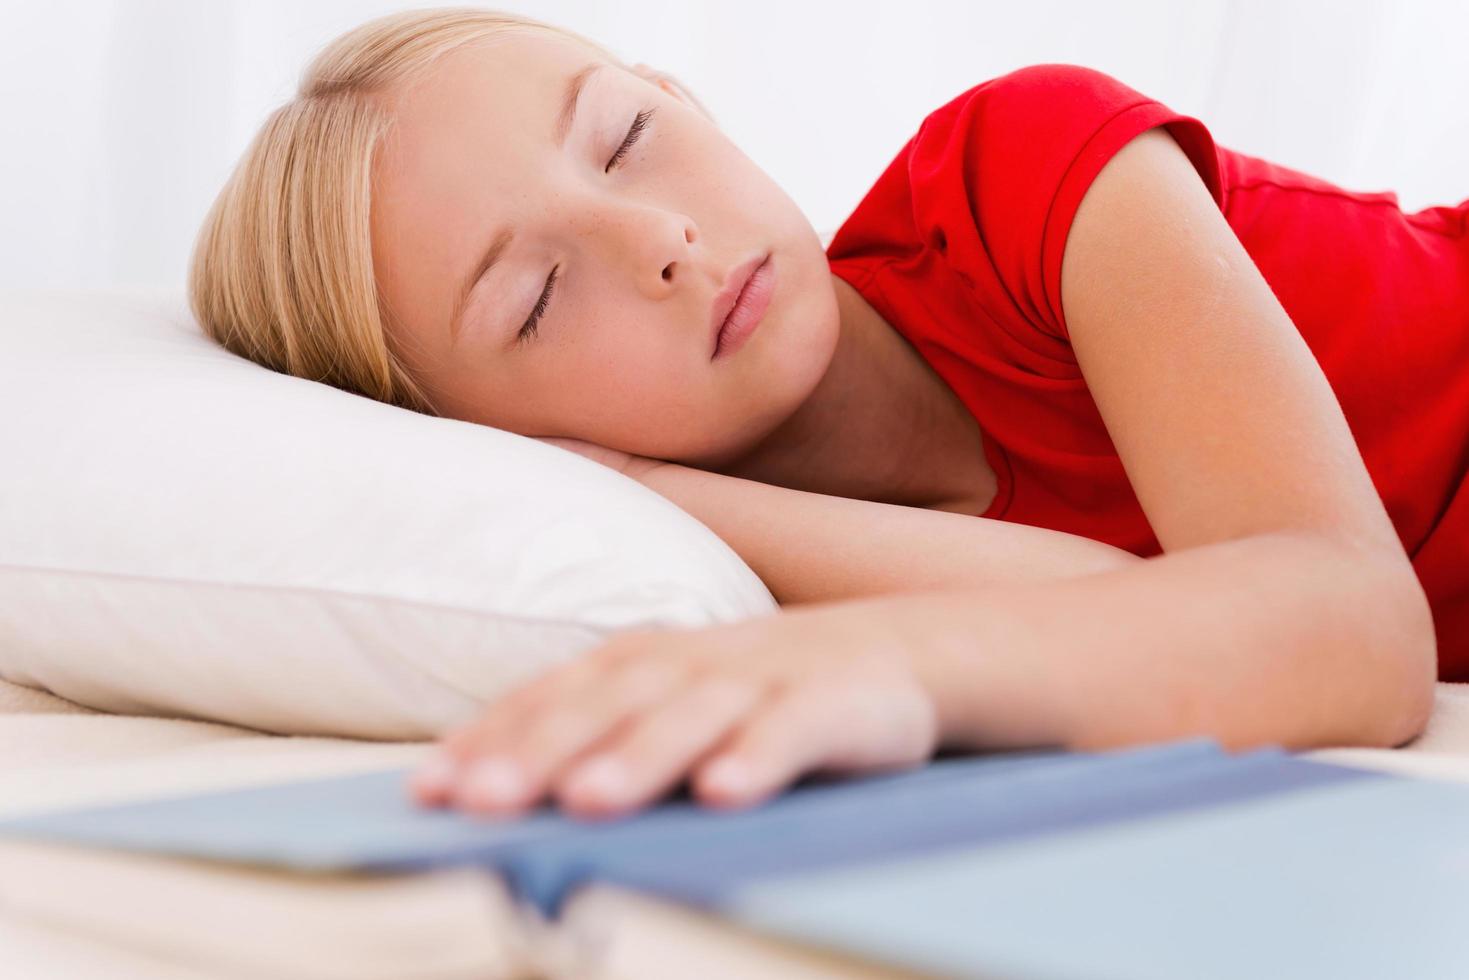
(658, 78)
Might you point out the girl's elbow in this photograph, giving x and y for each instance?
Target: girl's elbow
(1419, 691)
(1410, 645)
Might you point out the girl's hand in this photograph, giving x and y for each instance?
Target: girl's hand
(622, 462)
(744, 709)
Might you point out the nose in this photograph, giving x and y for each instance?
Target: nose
(664, 252)
(690, 234)
(652, 246)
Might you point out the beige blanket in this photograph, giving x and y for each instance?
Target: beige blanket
(80, 914)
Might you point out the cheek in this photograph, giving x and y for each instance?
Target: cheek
(627, 366)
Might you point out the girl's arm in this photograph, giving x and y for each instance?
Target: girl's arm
(1280, 638)
(1285, 638)
(813, 547)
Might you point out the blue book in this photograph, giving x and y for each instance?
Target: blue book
(1164, 861)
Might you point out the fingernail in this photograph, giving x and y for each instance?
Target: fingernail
(493, 782)
(435, 775)
(604, 778)
(729, 775)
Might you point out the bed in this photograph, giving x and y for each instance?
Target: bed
(331, 582)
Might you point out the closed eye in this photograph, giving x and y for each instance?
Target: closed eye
(633, 133)
(639, 123)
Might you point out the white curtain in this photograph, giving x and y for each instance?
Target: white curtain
(123, 117)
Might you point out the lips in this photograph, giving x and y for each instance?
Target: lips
(724, 300)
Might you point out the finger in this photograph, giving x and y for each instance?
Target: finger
(773, 746)
(648, 756)
(433, 782)
(805, 728)
(510, 768)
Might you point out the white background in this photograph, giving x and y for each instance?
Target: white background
(123, 117)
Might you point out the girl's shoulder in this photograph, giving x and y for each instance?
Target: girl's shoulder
(993, 176)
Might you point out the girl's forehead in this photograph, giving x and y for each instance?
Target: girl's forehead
(523, 86)
(511, 66)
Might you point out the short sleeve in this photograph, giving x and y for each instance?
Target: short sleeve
(997, 175)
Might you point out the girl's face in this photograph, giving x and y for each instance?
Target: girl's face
(636, 238)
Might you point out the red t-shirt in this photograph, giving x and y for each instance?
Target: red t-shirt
(959, 243)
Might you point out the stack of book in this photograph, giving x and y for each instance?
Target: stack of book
(1172, 860)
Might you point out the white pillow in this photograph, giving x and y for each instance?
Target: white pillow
(183, 532)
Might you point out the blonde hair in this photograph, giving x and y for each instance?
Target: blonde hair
(282, 270)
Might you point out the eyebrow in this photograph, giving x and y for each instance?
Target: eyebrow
(565, 118)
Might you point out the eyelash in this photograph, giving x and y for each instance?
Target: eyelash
(636, 130)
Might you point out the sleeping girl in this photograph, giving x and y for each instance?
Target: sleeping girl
(1081, 430)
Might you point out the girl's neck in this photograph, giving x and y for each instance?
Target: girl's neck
(880, 425)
